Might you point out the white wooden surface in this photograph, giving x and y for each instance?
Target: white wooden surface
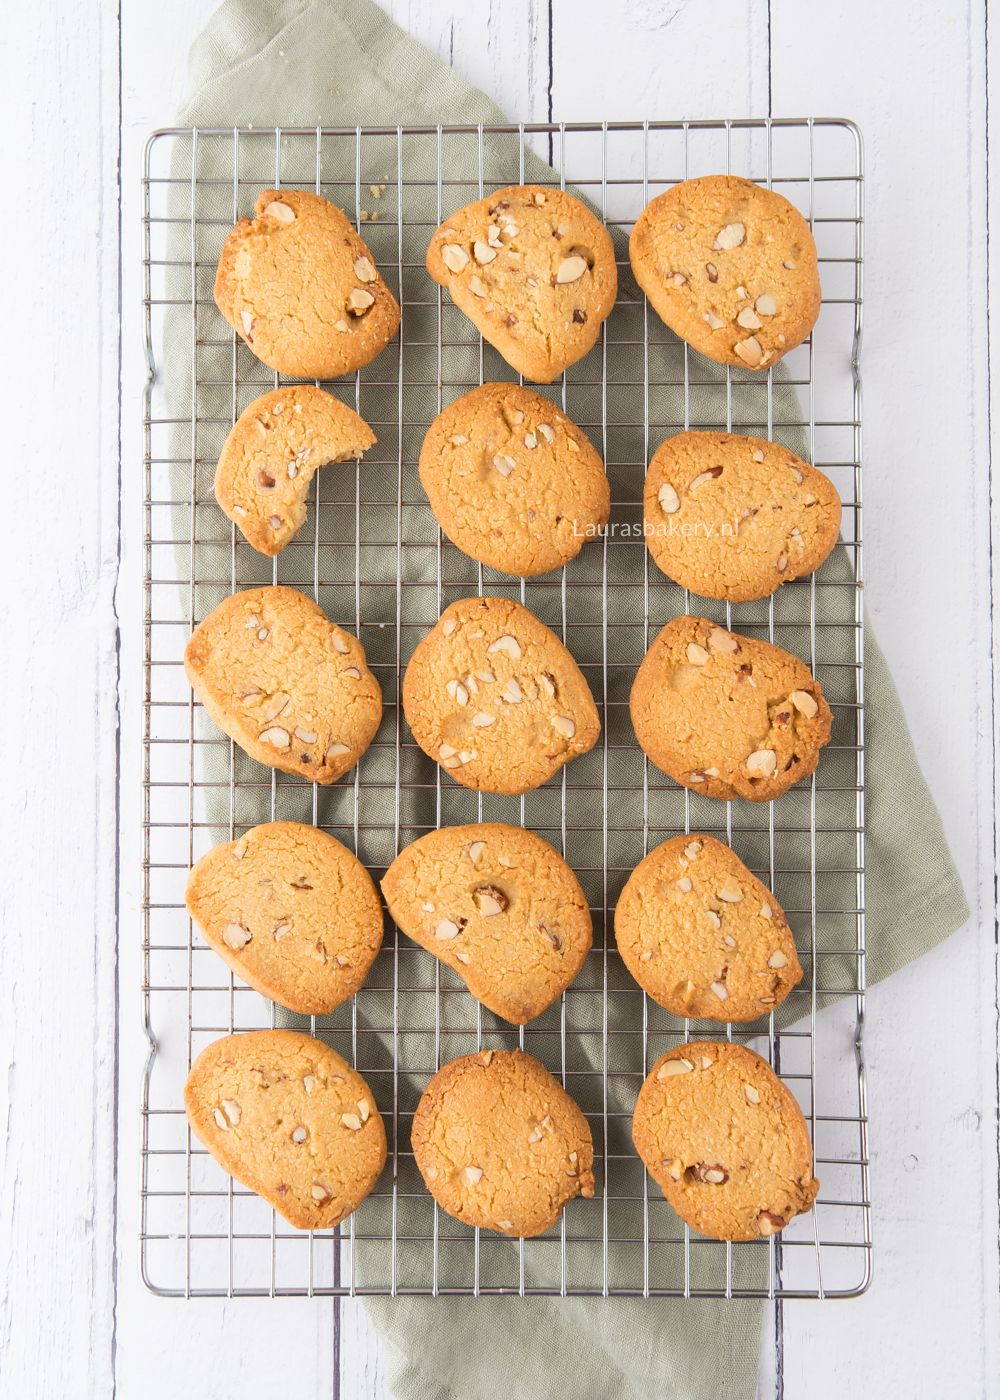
(73, 1317)
(57, 816)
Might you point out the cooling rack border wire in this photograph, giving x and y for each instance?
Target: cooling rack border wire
(200, 1234)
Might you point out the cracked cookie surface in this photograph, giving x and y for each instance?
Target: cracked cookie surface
(533, 270)
(500, 1143)
(728, 715)
(730, 266)
(271, 455)
(290, 1119)
(291, 687)
(512, 481)
(292, 911)
(499, 906)
(494, 697)
(702, 935)
(736, 517)
(299, 285)
(725, 1141)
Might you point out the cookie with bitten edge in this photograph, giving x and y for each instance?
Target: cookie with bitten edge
(702, 935)
(728, 715)
(730, 266)
(725, 1141)
(534, 270)
(290, 1119)
(499, 906)
(271, 455)
(290, 686)
(300, 286)
(500, 1144)
(512, 481)
(736, 517)
(495, 697)
(291, 911)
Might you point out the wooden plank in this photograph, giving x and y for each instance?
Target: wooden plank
(251, 1348)
(502, 49)
(989, 703)
(659, 60)
(57, 822)
(650, 66)
(918, 91)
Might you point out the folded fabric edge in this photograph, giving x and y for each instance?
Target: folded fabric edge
(234, 36)
(942, 907)
(410, 1381)
(405, 67)
(894, 773)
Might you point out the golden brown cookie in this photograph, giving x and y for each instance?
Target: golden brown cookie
(500, 907)
(533, 270)
(725, 1141)
(292, 912)
(735, 517)
(728, 715)
(494, 697)
(300, 286)
(730, 267)
(286, 1116)
(702, 935)
(270, 457)
(501, 1144)
(292, 688)
(512, 481)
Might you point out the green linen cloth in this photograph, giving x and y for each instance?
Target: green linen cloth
(342, 62)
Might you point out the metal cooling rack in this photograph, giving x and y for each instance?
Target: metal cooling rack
(374, 558)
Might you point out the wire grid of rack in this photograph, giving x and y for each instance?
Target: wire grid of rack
(372, 555)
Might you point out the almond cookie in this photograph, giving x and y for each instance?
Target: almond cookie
(292, 688)
(512, 482)
(725, 1141)
(501, 1144)
(286, 1116)
(494, 697)
(730, 267)
(702, 935)
(497, 905)
(300, 286)
(271, 455)
(735, 517)
(293, 912)
(533, 270)
(727, 715)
